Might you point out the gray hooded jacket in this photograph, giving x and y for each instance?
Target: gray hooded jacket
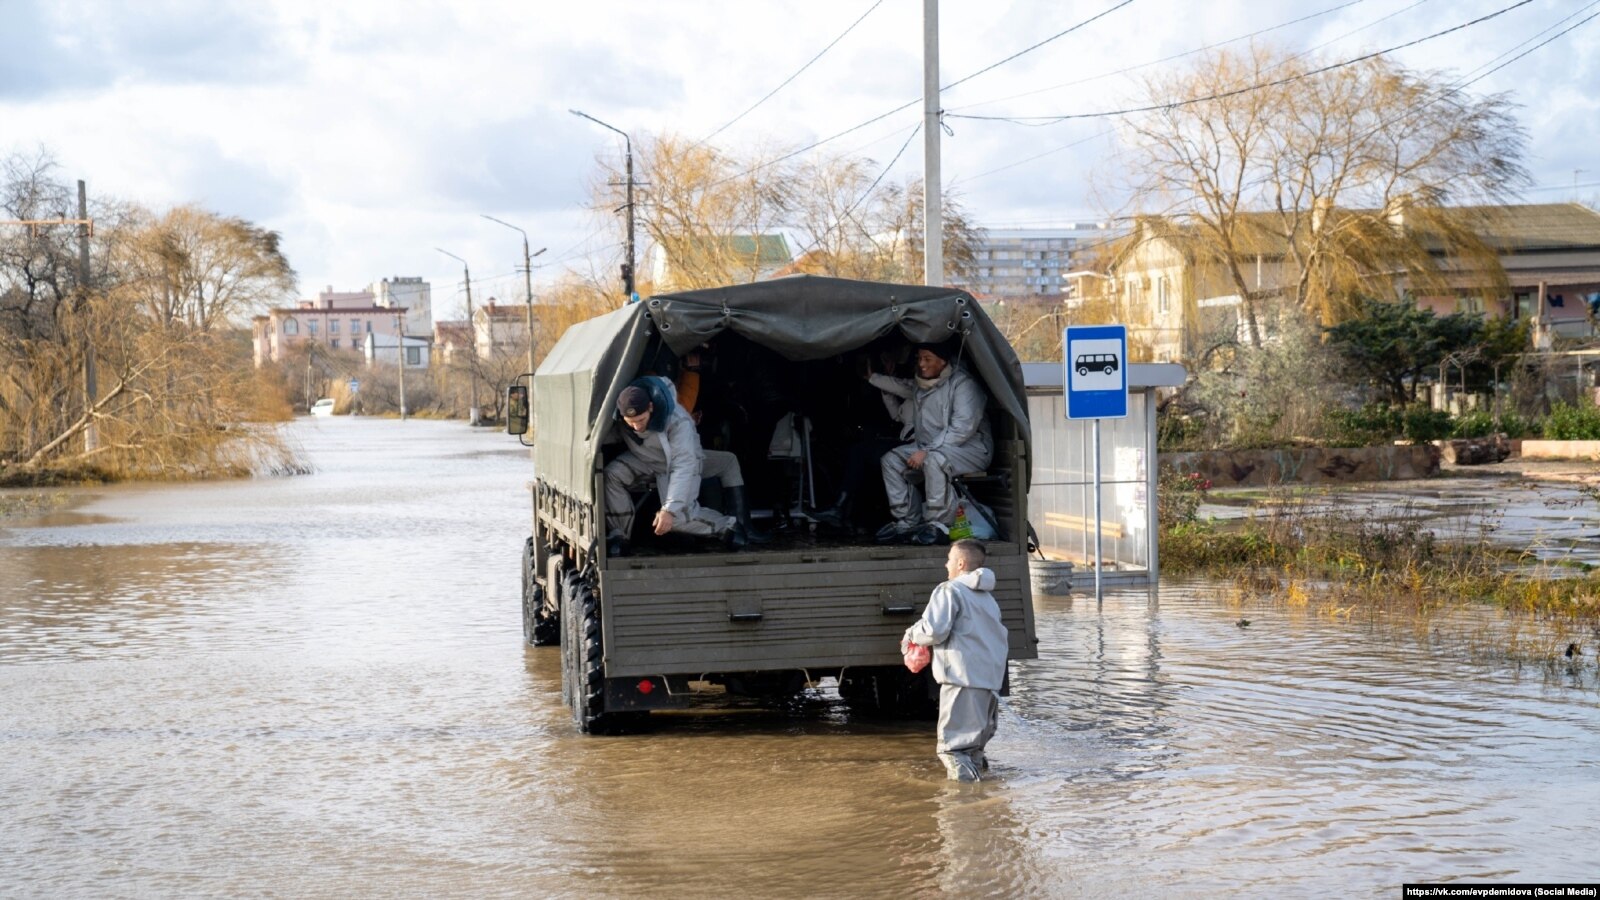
(673, 453)
(962, 625)
(947, 412)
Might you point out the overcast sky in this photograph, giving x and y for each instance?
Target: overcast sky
(370, 133)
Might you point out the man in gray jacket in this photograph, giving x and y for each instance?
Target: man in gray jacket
(662, 444)
(962, 625)
(950, 437)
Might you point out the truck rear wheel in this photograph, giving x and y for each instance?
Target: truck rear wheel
(541, 626)
(583, 682)
(890, 691)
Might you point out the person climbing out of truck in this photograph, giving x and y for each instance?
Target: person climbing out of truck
(661, 443)
(950, 437)
(961, 624)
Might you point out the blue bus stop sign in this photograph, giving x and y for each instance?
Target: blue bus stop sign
(1096, 357)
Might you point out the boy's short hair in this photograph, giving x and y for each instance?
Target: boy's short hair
(972, 551)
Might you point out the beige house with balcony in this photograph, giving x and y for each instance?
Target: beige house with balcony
(1177, 303)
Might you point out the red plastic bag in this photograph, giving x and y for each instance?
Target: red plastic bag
(917, 656)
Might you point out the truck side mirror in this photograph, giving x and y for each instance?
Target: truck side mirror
(517, 409)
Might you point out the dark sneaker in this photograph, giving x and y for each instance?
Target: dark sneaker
(892, 533)
(616, 545)
(929, 535)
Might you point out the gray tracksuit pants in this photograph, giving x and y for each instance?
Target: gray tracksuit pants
(627, 471)
(935, 499)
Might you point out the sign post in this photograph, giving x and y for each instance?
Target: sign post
(1096, 378)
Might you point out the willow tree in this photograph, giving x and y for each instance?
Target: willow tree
(861, 225)
(163, 313)
(701, 208)
(705, 209)
(1346, 172)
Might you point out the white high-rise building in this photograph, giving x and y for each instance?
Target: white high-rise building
(413, 295)
(1034, 262)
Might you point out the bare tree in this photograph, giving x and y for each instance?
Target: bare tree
(860, 226)
(1343, 173)
(177, 396)
(194, 269)
(703, 209)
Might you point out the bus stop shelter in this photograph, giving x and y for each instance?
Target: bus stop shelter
(1061, 497)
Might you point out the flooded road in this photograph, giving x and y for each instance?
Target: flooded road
(316, 686)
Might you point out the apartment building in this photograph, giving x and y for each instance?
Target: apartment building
(1034, 262)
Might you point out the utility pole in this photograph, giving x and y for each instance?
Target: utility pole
(627, 143)
(472, 338)
(400, 356)
(932, 181)
(91, 387)
(527, 272)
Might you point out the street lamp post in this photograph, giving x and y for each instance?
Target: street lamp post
(472, 337)
(527, 272)
(627, 270)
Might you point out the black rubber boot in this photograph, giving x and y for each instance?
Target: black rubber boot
(736, 538)
(616, 545)
(837, 514)
(741, 512)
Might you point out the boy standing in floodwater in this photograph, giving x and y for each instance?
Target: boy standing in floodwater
(962, 625)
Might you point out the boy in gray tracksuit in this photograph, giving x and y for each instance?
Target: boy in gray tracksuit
(962, 625)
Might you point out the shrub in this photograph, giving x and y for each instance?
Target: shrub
(1568, 422)
(1178, 496)
(1371, 424)
(1422, 424)
(1177, 433)
(1474, 424)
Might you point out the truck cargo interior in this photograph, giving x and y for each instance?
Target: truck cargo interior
(809, 437)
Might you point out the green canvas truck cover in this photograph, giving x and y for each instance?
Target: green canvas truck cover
(803, 317)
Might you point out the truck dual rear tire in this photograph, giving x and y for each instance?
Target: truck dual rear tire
(583, 682)
(541, 627)
(890, 692)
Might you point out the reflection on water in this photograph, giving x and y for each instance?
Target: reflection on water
(317, 684)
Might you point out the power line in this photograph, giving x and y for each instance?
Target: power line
(797, 74)
(817, 239)
(808, 148)
(1547, 40)
(1037, 121)
(1166, 59)
(1026, 50)
(1284, 62)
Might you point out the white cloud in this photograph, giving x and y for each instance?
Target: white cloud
(369, 133)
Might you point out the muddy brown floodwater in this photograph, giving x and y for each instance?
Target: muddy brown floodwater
(316, 686)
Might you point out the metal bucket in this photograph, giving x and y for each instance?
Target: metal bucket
(1051, 577)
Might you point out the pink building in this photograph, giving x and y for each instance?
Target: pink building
(336, 321)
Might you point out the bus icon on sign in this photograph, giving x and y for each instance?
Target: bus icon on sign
(1096, 362)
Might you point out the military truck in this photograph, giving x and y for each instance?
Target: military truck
(677, 622)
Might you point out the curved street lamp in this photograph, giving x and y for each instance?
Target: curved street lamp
(527, 272)
(627, 270)
(472, 336)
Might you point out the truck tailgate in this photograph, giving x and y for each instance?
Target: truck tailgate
(786, 610)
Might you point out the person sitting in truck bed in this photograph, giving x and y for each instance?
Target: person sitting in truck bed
(950, 437)
(661, 443)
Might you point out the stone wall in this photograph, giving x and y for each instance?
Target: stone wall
(1532, 449)
(1314, 465)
